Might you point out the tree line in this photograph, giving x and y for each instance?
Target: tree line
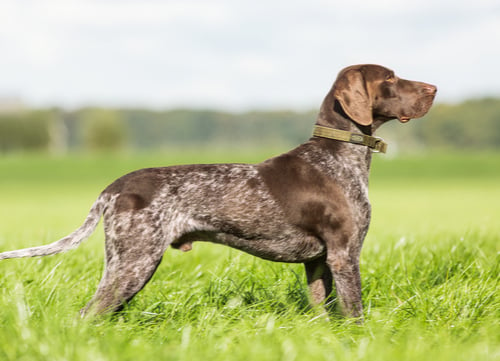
(472, 124)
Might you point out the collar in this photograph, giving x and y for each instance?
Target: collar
(375, 143)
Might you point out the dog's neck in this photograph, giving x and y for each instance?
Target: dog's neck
(334, 117)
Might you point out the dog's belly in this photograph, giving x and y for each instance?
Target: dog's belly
(297, 249)
(293, 250)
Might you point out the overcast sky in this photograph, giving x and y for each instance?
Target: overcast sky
(239, 55)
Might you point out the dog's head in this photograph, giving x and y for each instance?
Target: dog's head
(372, 92)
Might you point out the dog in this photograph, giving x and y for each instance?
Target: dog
(308, 206)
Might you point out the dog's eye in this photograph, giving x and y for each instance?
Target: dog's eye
(390, 78)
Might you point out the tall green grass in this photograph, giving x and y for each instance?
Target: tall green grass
(430, 273)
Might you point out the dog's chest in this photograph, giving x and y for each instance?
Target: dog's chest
(349, 171)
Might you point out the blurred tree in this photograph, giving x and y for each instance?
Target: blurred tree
(473, 124)
(26, 130)
(103, 130)
(58, 133)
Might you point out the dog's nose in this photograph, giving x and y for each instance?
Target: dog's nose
(429, 89)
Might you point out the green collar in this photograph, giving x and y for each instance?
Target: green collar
(374, 143)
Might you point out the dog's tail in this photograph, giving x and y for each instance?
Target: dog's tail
(69, 242)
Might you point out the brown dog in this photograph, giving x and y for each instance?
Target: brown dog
(309, 205)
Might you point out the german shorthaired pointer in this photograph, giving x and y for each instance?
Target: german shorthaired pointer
(309, 205)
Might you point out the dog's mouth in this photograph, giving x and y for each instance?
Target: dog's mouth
(418, 110)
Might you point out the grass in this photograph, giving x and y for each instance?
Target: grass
(430, 273)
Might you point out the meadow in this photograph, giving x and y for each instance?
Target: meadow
(430, 272)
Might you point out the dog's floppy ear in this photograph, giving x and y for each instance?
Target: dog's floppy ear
(351, 93)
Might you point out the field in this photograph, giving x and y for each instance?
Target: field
(430, 272)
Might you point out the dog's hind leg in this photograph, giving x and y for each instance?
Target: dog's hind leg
(133, 252)
(319, 280)
(119, 284)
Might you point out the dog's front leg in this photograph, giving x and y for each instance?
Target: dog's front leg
(345, 270)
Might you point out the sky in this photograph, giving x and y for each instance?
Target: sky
(238, 55)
